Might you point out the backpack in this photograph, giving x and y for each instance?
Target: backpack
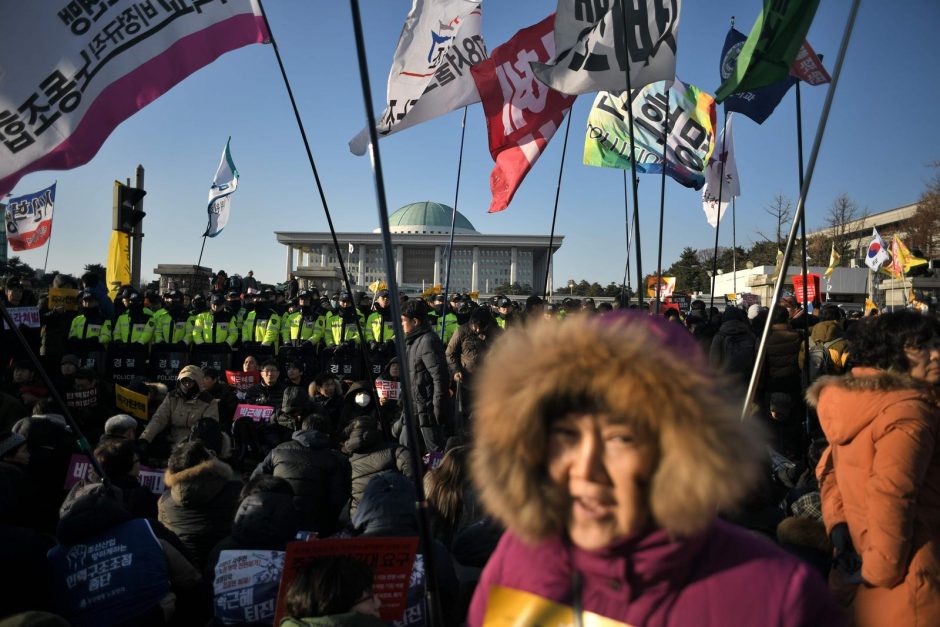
(820, 359)
(739, 351)
(209, 432)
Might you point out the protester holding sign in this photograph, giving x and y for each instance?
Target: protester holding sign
(180, 411)
(609, 476)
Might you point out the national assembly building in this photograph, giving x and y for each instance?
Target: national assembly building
(420, 235)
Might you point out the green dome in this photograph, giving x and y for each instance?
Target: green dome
(428, 217)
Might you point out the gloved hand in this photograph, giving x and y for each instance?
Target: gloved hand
(845, 558)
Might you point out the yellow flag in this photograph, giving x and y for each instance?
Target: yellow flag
(514, 608)
(905, 259)
(869, 305)
(778, 265)
(834, 260)
(375, 286)
(119, 262)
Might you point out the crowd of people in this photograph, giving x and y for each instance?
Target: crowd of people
(576, 458)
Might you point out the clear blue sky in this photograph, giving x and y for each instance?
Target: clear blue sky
(882, 133)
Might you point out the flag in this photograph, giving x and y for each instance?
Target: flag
(877, 251)
(522, 114)
(690, 139)
(756, 104)
(118, 272)
(778, 265)
(901, 258)
(351, 248)
(834, 260)
(375, 286)
(666, 288)
(870, 305)
(82, 68)
(430, 75)
(714, 186)
(220, 192)
(594, 52)
(808, 67)
(29, 219)
(774, 41)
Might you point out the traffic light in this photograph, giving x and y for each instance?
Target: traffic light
(126, 215)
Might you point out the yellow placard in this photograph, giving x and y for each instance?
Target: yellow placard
(66, 298)
(131, 402)
(375, 286)
(474, 295)
(119, 262)
(514, 608)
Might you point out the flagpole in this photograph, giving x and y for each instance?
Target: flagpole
(721, 186)
(662, 206)
(453, 224)
(421, 504)
(734, 245)
(799, 152)
(629, 238)
(634, 180)
(326, 210)
(804, 190)
(551, 237)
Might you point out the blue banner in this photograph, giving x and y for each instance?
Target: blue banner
(759, 103)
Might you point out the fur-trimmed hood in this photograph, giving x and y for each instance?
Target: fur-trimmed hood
(199, 484)
(632, 365)
(848, 404)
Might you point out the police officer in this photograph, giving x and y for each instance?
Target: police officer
(90, 329)
(262, 324)
(505, 315)
(216, 329)
(134, 326)
(307, 325)
(451, 323)
(233, 300)
(173, 326)
(341, 327)
(380, 326)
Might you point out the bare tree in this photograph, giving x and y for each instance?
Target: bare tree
(781, 210)
(923, 226)
(842, 220)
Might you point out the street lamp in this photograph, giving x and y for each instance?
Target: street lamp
(571, 285)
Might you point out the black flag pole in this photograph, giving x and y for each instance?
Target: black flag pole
(629, 239)
(453, 224)
(326, 210)
(662, 207)
(804, 190)
(635, 182)
(551, 238)
(432, 596)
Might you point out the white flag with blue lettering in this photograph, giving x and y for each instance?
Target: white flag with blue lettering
(220, 193)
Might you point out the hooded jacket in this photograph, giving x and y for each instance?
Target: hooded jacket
(370, 455)
(318, 474)
(881, 476)
(198, 506)
(827, 331)
(180, 413)
(466, 349)
(430, 379)
(685, 568)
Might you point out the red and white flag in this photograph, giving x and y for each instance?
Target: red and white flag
(82, 68)
(808, 67)
(522, 114)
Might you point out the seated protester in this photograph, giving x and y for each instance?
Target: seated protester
(264, 523)
(16, 487)
(103, 549)
(370, 455)
(180, 411)
(326, 394)
(119, 461)
(356, 402)
(26, 385)
(51, 444)
(389, 409)
(319, 475)
(296, 378)
(270, 391)
(11, 410)
(90, 401)
(222, 392)
(119, 428)
(388, 508)
(333, 591)
(453, 501)
(200, 500)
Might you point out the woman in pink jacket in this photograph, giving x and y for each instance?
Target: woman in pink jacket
(606, 446)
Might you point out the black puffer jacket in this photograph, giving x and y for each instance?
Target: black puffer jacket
(783, 352)
(265, 521)
(430, 379)
(199, 505)
(371, 455)
(319, 475)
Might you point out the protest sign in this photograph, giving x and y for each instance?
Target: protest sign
(391, 561)
(24, 317)
(63, 297)
(387, 390)
(80, 469)
(130, 402)
(258, 413)
(507, 608)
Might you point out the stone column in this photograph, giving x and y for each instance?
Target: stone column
(290, 260)
(475, 270)
(324, 255)
(437, 265)
(362, 264)
(513, 264)
(399, 256)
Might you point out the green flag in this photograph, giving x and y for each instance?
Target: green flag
(771, 46)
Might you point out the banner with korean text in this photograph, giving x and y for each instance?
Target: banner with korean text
(689, 142)
(95, 65)
(29, 218)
